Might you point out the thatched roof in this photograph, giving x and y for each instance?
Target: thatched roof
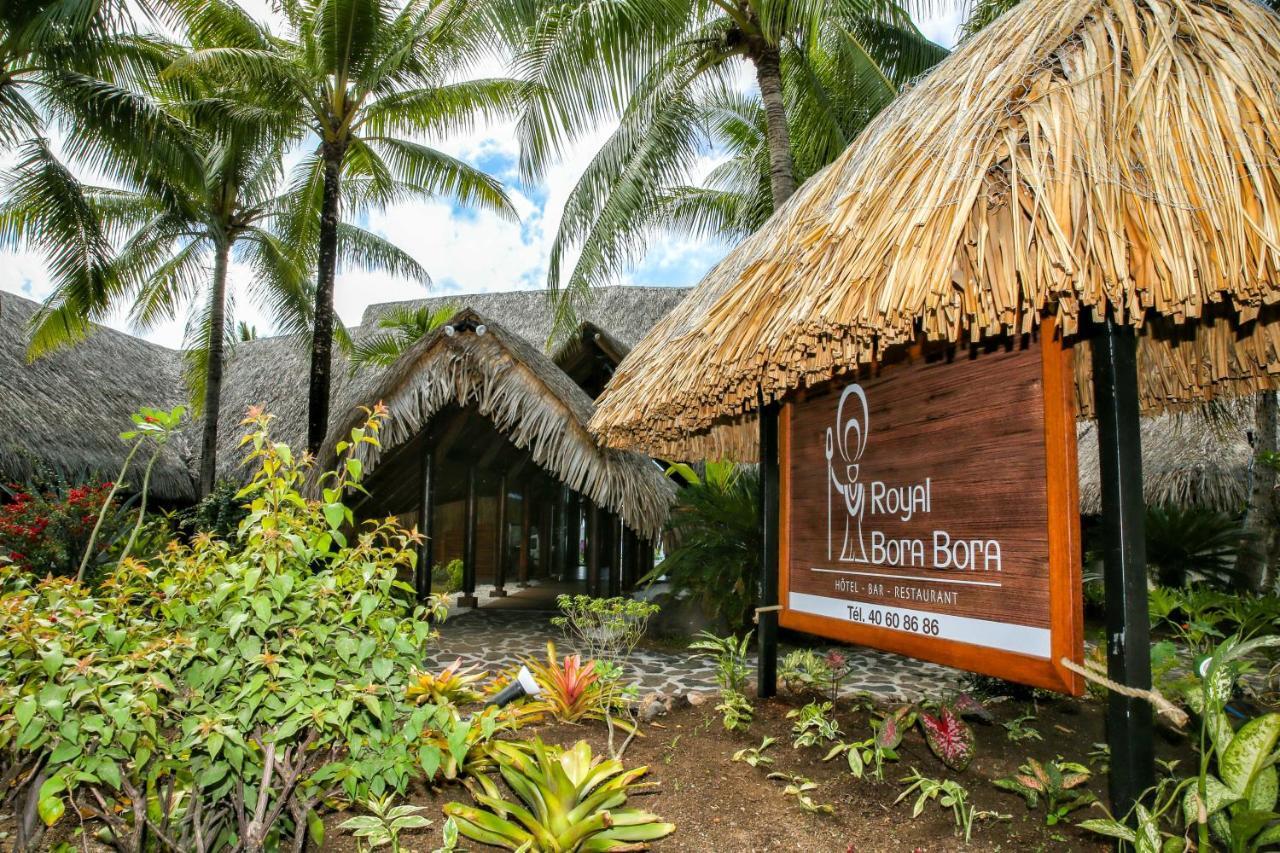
(626, 313)
(66, 411)
(1075, 154)
(1187, 460)
(526, 397)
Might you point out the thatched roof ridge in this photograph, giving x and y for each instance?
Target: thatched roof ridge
(1076, 153)
(526, 397)
(626, 312)
(1187, 460)
(272, 372)
(66, 410)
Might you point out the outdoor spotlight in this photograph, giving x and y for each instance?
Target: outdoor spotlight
(449, 331)
(522, 685)
(481, 329)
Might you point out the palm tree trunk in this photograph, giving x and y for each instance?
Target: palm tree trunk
(782, 173)
(1256, 563)
(322, 335)
(213, 371)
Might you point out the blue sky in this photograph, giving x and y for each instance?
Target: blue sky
(464, 251)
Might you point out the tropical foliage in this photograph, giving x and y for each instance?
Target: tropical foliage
(249, 683)
(401, 327)
(566, 800)
(666, 72)
(715, 534)
(358, 77)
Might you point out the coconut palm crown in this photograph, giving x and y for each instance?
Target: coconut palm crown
(360, 77)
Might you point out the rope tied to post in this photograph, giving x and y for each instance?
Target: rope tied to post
(772, 608)
(1094, 672)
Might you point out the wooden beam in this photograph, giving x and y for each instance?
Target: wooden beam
(468, 596)
(1130, 730)
(497, 444)
(500, 564)
(426, 524)
(454, 428)
(767, 630)
(523, 575)
(593, 548)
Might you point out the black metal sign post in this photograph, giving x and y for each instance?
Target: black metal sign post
(1129, 720)
(767, 627)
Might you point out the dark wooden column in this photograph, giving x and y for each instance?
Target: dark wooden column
(426, 524)
(593, 548)
(573, 535)
(468, 596)
(630, 559)
(615, 551)
(645, 558)
(564, 551)
(525, 500)
(555, 515)
(767, 627)
(1129, 721)
(544, 539)
(500, 564)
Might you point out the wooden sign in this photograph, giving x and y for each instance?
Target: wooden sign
(931, 509)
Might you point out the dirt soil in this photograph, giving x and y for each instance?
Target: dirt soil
(718, 804)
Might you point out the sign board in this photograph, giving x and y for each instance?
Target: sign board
(930, 508)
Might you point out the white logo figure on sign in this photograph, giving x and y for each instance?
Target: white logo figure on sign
(846, 442)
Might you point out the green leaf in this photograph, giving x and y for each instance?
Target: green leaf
(1248, 752)
(64, 752)
(51, 809)
(262, 607)
(25, 710)
(315, 828)
(334, 514)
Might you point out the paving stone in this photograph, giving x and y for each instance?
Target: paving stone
(499, 639)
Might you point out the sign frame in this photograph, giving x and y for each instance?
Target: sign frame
(1066, 608)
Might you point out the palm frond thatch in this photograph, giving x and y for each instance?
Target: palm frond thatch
(1076, 154)
(526, 397)
(66, 410)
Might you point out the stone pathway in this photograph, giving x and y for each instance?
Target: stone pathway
(496, 639)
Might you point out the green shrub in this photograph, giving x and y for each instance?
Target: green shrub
(213, 697)
(715, 529)
(446, 577)
(221, 511)
(45, 527)
(1193, 543)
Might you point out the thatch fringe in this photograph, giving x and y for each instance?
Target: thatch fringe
(527, 398)
(1076, 154)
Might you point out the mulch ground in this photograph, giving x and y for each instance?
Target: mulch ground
(718, 804)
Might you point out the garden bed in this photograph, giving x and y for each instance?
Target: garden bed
(720, 804)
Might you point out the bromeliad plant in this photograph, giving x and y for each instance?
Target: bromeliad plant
(1056, 783)
(454, 685)
(566, 801)
(571, 689)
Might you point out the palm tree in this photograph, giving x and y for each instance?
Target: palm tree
(71, 62)
(355, 74)
(403, 327)
(823, 68)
